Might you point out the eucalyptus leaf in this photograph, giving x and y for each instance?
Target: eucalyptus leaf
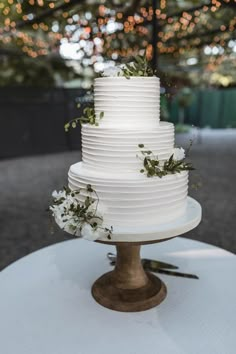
(152, 166)
(139, 67)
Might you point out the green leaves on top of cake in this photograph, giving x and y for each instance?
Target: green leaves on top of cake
(139, 67)
(152, 166)
(88, 117)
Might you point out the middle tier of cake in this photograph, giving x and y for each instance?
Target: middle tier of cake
(111, 149)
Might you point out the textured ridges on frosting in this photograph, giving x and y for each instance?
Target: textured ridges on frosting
(127, 102)
(128, 198)
(133, 199)
(118, 149)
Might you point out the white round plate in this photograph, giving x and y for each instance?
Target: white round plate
(179, 226)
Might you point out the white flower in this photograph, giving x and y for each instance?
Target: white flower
(63, 215)
(58, 213)
(58, 195)
(179, 154)
(89, 233)
(112, 71)
(66, 212)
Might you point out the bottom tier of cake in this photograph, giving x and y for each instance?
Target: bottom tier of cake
(133, 199)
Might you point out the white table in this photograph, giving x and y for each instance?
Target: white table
(46, 306)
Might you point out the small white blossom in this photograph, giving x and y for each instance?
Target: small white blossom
(65, 209)
(89, 233)
(179, 154)
(58, 195)
(112, 71)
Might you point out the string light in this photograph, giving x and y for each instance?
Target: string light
(163, 4)
(173, 27)
(7, 21)
(40, 2)
(6, 11)
(150, 11)
(163, 16)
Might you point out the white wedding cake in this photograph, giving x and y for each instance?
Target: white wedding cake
(111, 160)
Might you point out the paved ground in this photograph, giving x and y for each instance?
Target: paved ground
(26, 185)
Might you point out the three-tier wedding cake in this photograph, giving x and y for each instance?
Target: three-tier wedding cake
(111, 160)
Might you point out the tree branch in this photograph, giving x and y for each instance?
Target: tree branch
(126, 10)
(198, 35)
(199, 45)
(131, 9)
(48, 13)
(162, 23)
(10, 52)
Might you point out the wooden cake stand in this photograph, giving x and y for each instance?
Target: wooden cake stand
(129, 287)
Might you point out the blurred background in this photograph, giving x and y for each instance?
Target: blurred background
(50, 52)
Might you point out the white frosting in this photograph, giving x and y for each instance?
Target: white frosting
(133, 199)
(127, 103)
(118, 149)
(128, 198)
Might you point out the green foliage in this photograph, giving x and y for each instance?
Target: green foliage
(171, 166)
(88, 117)
(81, 212)
(139, 67)
(153, 167)
(24, 71)
(36, 29)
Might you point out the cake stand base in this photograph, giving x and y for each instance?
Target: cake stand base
(128, 287)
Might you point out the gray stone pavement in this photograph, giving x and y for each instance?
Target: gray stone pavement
(26, 185)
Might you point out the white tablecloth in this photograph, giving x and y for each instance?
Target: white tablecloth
(46, 306)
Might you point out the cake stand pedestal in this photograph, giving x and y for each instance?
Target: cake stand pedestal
(128, 287)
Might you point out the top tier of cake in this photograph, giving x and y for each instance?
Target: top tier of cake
(127, 103)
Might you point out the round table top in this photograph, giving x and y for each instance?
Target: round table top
(46, 306)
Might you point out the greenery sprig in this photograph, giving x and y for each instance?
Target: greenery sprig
(88, 117)
(172, 166)
(70, 212)
(139, 67)
(153, 167)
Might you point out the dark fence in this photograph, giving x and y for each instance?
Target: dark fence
(32, 120)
